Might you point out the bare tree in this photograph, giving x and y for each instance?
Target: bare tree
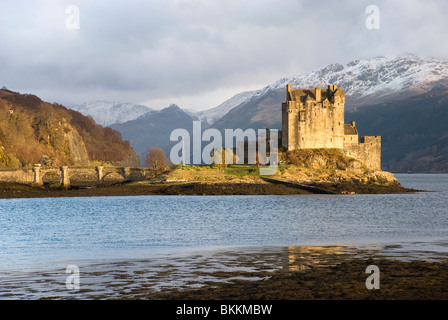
(156, 159)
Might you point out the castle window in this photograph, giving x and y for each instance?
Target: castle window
(331, 113)
(332, 129)
(302, 116)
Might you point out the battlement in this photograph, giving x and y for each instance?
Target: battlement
(371, 140)
(316, 95)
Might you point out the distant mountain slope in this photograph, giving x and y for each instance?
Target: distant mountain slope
(33, 131)
(255, 113)
(107, 113)
(364, 83)
(154, 129)
(367, 84)
(414, 131)
(374, 80)
(210, 116)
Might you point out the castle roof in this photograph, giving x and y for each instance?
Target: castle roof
(350, 130)
(339, 92)
(305, 94)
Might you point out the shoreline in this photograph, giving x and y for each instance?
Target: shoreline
(302, 272)
(13, 190)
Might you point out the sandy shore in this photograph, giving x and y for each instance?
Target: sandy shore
(250, 273)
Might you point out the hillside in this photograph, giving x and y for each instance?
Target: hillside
(414, 131)
(210, 116)
(255, 113)
(33, 131)
(153, 129)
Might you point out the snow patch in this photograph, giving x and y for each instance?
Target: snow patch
(107, 113)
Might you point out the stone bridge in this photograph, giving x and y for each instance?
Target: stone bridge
(67, 176)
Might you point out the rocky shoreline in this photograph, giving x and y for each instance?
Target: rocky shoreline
(230, 180)
(324, 273)
(306, 272)
(8, 190)
(304, 172)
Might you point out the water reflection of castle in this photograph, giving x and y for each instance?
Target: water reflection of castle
(300, 258)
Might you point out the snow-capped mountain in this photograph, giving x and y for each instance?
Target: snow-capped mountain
(107, 113)
(366, 81)
(211, 115)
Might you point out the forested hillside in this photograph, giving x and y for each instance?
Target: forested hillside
(33, 131)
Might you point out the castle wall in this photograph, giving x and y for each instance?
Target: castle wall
(350, 134)
(368, 151)
(312, 125)
(350, 140)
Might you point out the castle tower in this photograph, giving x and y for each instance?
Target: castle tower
(313, 118)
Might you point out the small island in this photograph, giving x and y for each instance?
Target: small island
(318, 154)
(319, 171)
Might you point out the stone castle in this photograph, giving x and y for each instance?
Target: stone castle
(314, 118)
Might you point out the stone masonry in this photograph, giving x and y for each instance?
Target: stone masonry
(66, 175)
(314, 119)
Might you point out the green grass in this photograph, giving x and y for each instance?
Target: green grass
(240, 171)
(190, 167)
(283, 168)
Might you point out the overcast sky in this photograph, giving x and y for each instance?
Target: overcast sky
(197, 53)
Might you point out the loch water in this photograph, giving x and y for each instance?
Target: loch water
(41, 233)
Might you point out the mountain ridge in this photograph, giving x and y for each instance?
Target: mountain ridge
(152, 130)
(366, 83)
(107, 113)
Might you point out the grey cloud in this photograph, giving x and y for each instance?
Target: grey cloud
(167, 50)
